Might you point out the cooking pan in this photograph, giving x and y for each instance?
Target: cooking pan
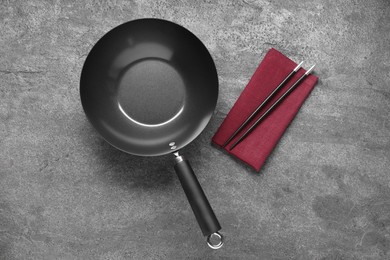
(149, 87)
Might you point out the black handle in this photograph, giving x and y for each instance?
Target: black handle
(200, 205)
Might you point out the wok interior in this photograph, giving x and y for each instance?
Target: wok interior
(149, 87)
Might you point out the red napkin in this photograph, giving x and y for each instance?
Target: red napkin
(258, 145)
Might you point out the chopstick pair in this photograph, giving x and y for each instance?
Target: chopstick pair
(278, 101)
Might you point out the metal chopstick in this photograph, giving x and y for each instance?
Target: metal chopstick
(263, 103)
(272, 107)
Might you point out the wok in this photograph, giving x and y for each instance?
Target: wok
(149, 87)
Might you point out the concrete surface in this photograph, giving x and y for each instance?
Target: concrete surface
(323, 194)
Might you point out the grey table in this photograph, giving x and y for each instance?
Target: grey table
(324, 192)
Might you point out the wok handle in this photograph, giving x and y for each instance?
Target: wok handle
(200, 205)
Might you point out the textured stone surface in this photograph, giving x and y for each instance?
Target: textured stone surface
(323, 194)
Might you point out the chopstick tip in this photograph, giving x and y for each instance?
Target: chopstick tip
(298, 66)
(233, 145)
(310, 70)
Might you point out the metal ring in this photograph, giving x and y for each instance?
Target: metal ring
(217, 246)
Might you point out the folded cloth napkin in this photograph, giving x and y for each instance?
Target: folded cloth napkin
(258, 145)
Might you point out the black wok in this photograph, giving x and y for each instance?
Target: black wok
(150, 87)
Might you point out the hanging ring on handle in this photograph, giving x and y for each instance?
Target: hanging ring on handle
(219, 240)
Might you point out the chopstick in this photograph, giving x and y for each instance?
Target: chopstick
(272, 107)
(263, 103)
